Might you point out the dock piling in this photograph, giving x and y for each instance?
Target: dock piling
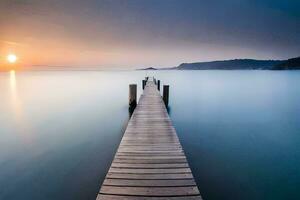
(158, 85)
(144, 83)
(132, 95)
(166, 95)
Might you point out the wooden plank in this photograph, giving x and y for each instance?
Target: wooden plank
(150, 154)
(120, 197)
(156, 161)
(150, 176)
(149, 183)
(155, 157)
(150, 162)
(150, 166)
(149, 171)
(149, 149)
(150, 191)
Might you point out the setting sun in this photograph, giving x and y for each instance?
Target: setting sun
(12, 58)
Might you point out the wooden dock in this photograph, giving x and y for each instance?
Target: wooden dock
(150, 162)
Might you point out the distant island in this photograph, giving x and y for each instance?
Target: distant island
(238, 64)
(149, 68)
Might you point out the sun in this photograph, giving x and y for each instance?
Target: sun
(12, 58)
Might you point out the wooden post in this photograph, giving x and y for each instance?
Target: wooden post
(132, 95)
(144, 83)
(158, 85)
(166, 95)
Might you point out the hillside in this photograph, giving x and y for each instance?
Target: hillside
(230, 64)
(237, 64)
(290, 64)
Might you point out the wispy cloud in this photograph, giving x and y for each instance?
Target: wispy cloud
(12, 43)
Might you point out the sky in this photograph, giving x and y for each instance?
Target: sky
(121, 34)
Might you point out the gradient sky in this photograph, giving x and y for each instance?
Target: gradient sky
(120, 34)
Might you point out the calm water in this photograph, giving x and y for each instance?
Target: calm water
(240, 131)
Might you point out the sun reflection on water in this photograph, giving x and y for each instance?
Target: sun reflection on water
(16, 105)
(12, 78)
(16, 102)
(13, 90)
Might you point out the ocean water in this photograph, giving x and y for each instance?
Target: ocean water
(240, 130)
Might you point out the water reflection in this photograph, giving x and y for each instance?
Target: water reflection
(22, 124)
(14, 93)
(12, 79)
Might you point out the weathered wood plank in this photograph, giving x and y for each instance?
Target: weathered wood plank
(149, 161)
(150, 154)
(120, 197)
(156, 157)
(149, 149)
(150, 191)
(150, 176)
(149, 183)
(150, 171)
(149, 166)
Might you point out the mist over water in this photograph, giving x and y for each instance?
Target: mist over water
(240, 130)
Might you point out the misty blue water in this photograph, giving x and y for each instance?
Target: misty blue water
(240, 130)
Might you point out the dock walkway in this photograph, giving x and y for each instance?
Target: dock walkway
(150, 162)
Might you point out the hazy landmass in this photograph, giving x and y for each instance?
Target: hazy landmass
(238, 64)
(149, 68)
(230, 64)
(290, 64)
